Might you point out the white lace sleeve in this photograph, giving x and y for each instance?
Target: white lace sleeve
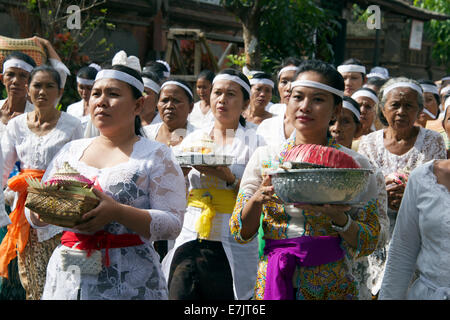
(404, 248)
(167, 196)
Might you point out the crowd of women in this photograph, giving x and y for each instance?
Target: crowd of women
(165, 231)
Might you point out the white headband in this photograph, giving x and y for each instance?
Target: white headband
(288, 68)
(178, 84)
(349, 106)
(122, 76)
(376, 74)
(236, 79)
(429, 88)
(365, 93)
(351, 68)
(85, 81)
(149, 83)
(319, 85)
(425, 110)
(443, 91)
(17, 63)
(447, 103)
(403, 84)
(445, 78)
(268, 82)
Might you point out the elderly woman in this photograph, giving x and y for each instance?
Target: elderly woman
(292, 233)
(206, 263)
(33, 139)
(261, 95)
(401, 146)
(175, 103)
(142, 198)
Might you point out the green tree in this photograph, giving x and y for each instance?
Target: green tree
(438, 31)
(73, 45)
(275, 29)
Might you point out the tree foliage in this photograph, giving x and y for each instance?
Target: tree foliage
(299, 28)
(74, 46)
(438, 31)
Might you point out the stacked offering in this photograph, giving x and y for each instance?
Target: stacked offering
(315, 174)
(203, 152)
(63, 199)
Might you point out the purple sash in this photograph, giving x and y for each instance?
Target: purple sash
(285, 254)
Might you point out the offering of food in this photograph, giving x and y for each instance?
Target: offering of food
(319, 155)
(205, 145)
(63, 199)
(203, 152)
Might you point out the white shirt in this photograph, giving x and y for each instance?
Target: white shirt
(19, 143)
(278, 109)
(242, 258)
(421, 240)
(151, 180)
(77, 109)
(198, 118)
(272, 130)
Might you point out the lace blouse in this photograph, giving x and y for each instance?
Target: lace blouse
(420, 240)
(19, 143)
(199, 119)
(152, 180)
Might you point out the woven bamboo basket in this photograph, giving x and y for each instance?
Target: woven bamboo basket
(28, 46)
(59, 207)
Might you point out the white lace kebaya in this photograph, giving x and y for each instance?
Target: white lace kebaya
(152, 180)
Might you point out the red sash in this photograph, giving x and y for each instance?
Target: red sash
(100, 240)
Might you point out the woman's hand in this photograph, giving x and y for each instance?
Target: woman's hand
(106, 212)
(336, 212)
(395, 195)
(222, 172)
(265, 192)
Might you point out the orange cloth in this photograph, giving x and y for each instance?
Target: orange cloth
(18, 231)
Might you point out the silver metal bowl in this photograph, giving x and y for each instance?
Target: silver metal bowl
(319, 186)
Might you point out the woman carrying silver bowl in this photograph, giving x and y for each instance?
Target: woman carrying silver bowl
(314, 242)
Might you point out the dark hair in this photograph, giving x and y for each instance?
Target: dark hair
(188, 95)
(290, 61)
(50, 70)
(356, 105)
(21, 56)
(157, 67)
(87, 73)
(206, 74)
(151, 75)
(262, 75)
(245, 93)
(332, 76)
(376, 81)
(436, 96)
(136, 93)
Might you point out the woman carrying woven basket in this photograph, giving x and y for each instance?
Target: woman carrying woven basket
(33, 138)
(307, 248)
(141, 192)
